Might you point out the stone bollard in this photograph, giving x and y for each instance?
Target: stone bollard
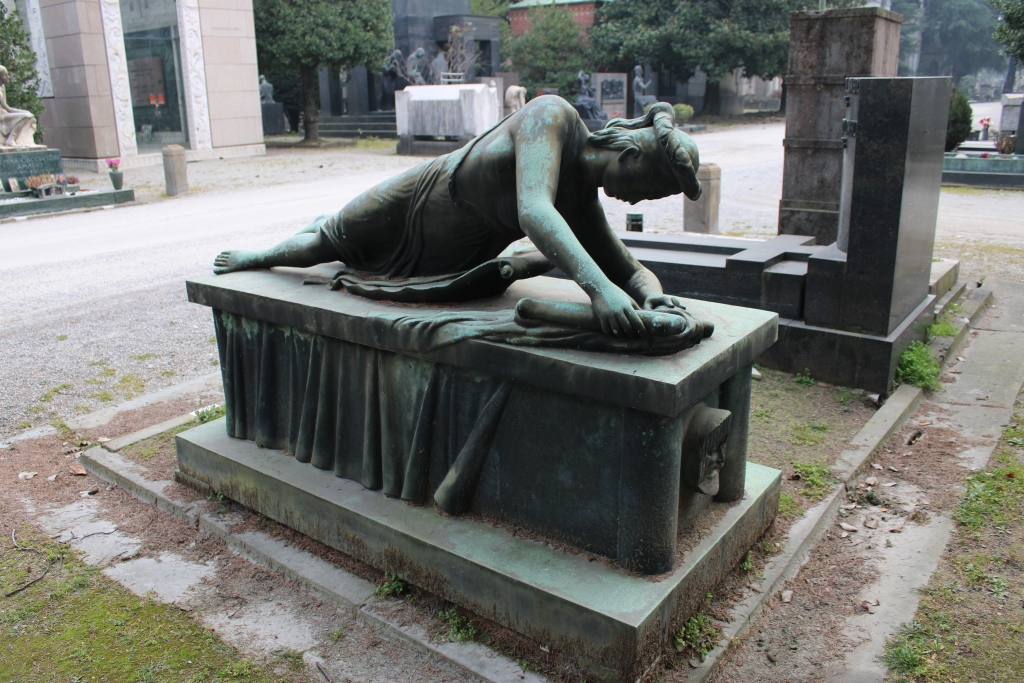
(702, 215)
(175, 173)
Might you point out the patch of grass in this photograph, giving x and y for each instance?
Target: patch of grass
(987, 501)
(337, 634)
(167, 373)
(213, 339)
(107, 372)
(35, 410)
(103, 395)
(98, 363)
(918, 367)
(130, 385)
(375, 143)
(62, 337)
(24, 424)
(292, 658)
(816, 477)
(805, 379)
(942, 327)
(143, 356)
(788, 507)
(93, 381)
(50, 393)
(808, 433)
(460, 629)
(763, 414)
(697, 637)
(391, 587)
(214, 362)
(78, 625)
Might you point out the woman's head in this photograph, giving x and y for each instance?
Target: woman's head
(655, 158)
(4, 76)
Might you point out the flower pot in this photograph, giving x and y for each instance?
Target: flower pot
(117, 179)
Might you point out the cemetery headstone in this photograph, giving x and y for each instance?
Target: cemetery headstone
(611, 93)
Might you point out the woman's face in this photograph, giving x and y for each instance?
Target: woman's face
(633, 177)
(4, 77)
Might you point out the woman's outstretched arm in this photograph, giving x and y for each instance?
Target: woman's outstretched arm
(538, 155)
(300, 251)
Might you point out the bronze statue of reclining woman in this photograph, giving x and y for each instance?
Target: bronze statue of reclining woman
(535, 174)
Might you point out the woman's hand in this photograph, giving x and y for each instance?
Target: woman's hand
(617, 313)
(660, 299)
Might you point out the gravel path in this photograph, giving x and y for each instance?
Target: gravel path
(93, 306)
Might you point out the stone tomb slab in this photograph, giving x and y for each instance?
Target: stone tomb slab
(609, 619)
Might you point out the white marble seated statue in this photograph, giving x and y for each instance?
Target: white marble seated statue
(17, 126)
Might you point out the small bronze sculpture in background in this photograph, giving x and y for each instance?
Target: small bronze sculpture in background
(586, 104)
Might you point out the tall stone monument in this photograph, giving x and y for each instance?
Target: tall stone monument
(826, 48)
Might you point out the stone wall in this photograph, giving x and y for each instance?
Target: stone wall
(232, 78)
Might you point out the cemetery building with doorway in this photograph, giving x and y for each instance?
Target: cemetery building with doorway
(123, 78)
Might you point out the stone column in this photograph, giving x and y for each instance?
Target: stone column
(702, 215)
(826, 48)
(175, 170)
(117, 66)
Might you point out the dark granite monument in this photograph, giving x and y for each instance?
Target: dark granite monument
(419, 405)
(849, 308)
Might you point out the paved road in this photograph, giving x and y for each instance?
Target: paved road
(96, 300)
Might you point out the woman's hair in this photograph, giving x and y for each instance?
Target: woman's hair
(624, 134)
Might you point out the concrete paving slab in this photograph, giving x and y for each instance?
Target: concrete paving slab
(80, 525)
(169, 577)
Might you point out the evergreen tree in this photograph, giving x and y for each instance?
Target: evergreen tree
(17, 55)
(298, 36)
(1009, 30)
(551, 52)
(714, 36)
(960, 114)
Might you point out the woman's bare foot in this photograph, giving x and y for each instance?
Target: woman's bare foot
(230, 261)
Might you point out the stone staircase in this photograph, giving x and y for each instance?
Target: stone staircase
(377, 125)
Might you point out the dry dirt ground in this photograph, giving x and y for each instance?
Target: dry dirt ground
(260, 612)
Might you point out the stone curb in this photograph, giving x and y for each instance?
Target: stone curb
(159, 428)
(343, 589)
(806, 531)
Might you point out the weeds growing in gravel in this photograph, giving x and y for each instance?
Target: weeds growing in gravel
(50, 393)
(204, 415)
(918, 367)
(942, 327)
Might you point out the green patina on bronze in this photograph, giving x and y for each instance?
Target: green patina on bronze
(536, 174)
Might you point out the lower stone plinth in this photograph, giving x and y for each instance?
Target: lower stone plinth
(614, 623)
(82, 200)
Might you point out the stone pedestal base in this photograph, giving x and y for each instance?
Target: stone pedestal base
(614, 623)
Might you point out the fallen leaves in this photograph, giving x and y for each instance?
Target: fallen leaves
(847, 527)
(77, 470)
(787, 596)
(871, 522)
(25, 476)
